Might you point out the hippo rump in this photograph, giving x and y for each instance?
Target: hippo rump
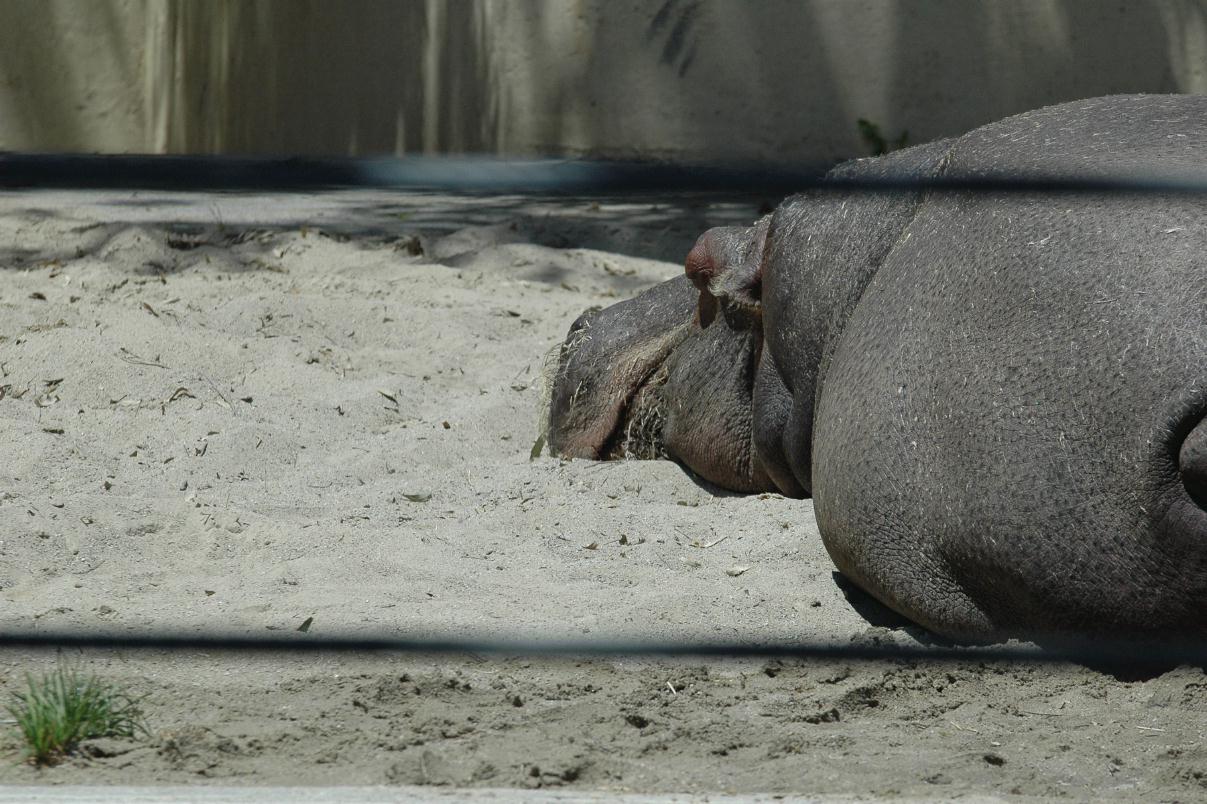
(996, 399)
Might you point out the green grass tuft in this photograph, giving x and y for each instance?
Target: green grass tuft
(62, 707)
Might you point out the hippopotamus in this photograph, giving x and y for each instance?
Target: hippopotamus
(995, 397)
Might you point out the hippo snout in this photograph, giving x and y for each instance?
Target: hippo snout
(670, 373)
(609, 364)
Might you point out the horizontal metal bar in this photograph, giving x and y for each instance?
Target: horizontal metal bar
(480, 174)
(1055, 649)
(468, 174)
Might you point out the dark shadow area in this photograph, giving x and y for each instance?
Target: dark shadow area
(16, 257)
(134, 202)
(869, 608)
(469, 175)
(879, 615)
(711, 489)
(662, 227)
(1139, 660)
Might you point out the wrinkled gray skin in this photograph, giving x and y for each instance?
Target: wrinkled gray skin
(996, 400)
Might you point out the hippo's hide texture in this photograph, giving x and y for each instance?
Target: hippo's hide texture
(822, 250)
(999, 384)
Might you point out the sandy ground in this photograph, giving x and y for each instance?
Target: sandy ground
(245, 412)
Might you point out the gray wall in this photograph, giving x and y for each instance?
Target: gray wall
(694, 79)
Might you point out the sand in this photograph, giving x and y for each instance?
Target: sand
(246, 412)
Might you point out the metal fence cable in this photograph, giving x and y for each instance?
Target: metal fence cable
(1055, 649)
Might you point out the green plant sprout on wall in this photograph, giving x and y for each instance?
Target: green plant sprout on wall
(875, 140)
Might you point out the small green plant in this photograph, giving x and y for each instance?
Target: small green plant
(876, 141)
(62, 707)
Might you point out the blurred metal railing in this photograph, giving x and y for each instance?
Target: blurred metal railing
(471, 174)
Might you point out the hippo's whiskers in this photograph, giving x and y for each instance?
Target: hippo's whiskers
(640, 438)
(550, 366)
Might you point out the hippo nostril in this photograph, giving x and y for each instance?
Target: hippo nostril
(1192, 463)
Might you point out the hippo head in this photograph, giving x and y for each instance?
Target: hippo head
(670, 373)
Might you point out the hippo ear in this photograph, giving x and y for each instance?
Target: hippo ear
(726, 266)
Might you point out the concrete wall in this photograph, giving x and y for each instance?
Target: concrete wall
(72, 75)
(693, 79)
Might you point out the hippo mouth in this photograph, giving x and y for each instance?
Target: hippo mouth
(641, 421)
(606, 403)
(650, 378)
